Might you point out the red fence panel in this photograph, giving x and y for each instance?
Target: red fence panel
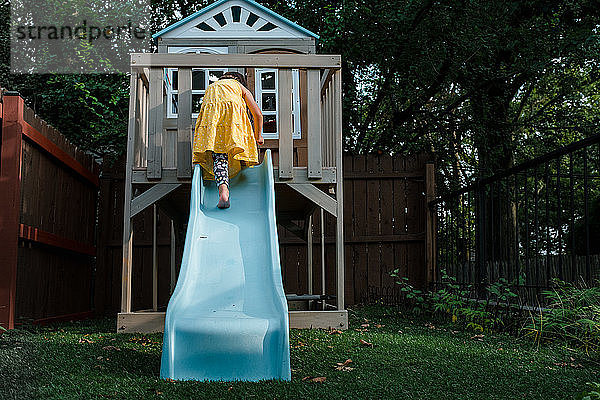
(47, 219)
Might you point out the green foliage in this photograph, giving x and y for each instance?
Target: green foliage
(573, 316)
(415, 296)
(501, 289)
(592, 394)
(483, 84)
(89, 109)
(453, 301)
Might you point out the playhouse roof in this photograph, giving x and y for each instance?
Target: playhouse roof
(253, 19)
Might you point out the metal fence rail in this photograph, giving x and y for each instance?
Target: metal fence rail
(538, 220)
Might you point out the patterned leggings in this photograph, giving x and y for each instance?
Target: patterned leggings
(220, 168)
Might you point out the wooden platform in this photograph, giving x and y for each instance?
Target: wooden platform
(152, 322)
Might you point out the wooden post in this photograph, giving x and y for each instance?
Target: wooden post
(323, 256)
(324, 133)
(184, 124)
(286, 144)
(154, 261)
(430, 251)
(10, 203)
(127, 231)
(339, 190)
(332, 145)
(315, 163)
(173, 277)
(104, 222)
(309, 241)
(155, 123)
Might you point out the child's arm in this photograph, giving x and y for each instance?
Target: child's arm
(256, 113)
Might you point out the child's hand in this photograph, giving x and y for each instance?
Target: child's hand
(260, 140)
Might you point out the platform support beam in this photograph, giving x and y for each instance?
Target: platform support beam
(339, 190)
(151, 196)
(316, 195)
(127, 229)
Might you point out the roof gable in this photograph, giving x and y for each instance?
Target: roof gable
(233, 19)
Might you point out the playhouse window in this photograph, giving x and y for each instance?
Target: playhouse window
(201, 78)
(267, 96)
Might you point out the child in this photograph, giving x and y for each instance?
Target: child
(224, 135)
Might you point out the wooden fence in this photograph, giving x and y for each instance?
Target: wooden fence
(385, 228)
(47, 219)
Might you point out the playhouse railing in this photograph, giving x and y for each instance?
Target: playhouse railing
(162, 147)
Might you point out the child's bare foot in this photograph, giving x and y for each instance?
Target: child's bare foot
(223, 196)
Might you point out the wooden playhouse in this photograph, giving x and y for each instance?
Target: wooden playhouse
(300, 95)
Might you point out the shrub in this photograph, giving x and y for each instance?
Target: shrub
(573, 315)
(452, 301)
(593, 394)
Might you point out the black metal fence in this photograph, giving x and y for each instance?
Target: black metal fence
(537, 220)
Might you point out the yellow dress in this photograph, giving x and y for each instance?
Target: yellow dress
(223, 126)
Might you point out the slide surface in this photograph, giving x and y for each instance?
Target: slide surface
(228, 318)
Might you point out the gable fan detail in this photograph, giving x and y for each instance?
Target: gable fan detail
(233, 16)
(227, 19)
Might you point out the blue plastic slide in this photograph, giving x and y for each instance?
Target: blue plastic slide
(228, 318)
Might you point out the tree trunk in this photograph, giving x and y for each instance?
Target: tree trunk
(495, 201)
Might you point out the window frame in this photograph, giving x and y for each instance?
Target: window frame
(259, 91)
(175, 92)
(168, 74)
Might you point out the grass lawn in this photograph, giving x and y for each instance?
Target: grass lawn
(409, 359)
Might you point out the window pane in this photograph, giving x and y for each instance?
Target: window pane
(236, 12)
(252, 18)
(196, 102)
(269, 123)
(267, 80)
(198, 82)
(174, 80)
(174, 100)
(205, 27)
(220, 18)
(214, 76)
(267, 27)
(269, 102)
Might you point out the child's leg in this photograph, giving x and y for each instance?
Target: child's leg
(221, 170)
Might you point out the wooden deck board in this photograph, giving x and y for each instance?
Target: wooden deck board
(154, 322)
